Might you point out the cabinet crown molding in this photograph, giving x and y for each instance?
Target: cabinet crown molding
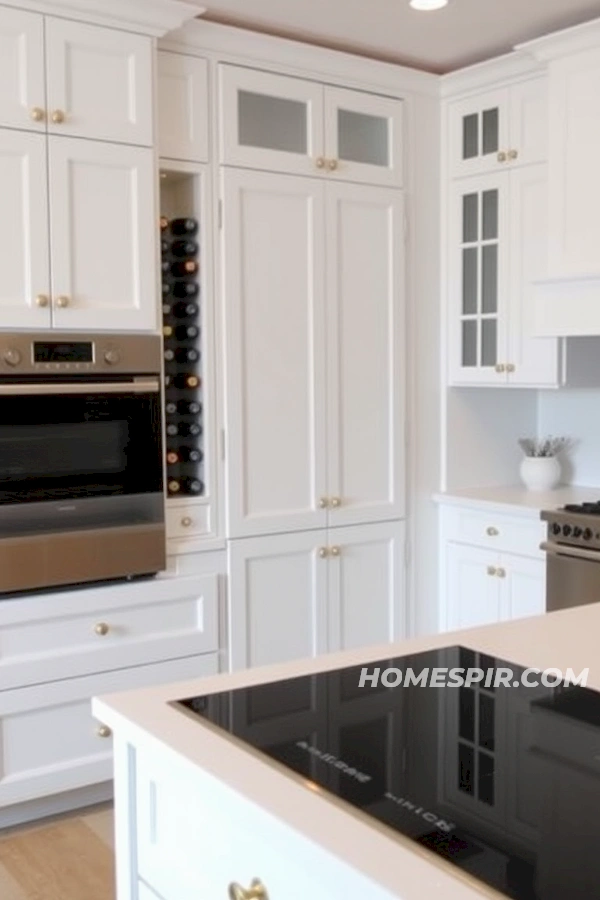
(563, 43)
(488, 74)
(153, 17)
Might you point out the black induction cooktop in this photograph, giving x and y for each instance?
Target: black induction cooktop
(503, 782)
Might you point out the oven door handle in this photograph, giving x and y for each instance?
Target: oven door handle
(135, 386)
(573, 552)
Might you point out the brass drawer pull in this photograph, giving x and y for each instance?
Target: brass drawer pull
(103, 731)
(58, 116)
(101, 629)
(187, 522)
(491, 570)
(256, 891)
(492, 532)
(501, 573)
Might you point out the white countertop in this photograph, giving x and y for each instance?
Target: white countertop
(564, 639)
(516, 499)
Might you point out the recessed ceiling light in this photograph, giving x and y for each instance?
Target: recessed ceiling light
(428, 5)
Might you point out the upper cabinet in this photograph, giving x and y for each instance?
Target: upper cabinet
(99, 82)
(499, 129)
(278, 123)
(182, 107)
(23, 94)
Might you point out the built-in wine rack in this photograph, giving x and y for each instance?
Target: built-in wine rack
(181, 293)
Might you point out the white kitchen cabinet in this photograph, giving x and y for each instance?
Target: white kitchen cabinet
(366, 585)
(24, 251)
(480, 587)
(365, 353)
(497, 250)
(49, 742)
(102, 236)
(273, 271)
(183, 118)
(295, 125)
(315, 430)
(99, 82)
(23, 94)
(363, 136)
(499, 129)
(299, 595)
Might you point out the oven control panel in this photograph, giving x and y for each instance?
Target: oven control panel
(575, 527)
(65, 354)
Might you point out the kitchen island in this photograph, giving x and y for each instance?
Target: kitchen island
(200, 816)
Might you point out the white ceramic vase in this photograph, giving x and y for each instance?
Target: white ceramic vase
(540, 473)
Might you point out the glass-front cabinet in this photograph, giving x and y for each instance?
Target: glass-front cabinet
(477, 282)
(282, 124)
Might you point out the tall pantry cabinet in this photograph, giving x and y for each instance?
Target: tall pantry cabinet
(313, 277)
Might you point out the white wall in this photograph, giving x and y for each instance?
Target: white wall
(575, 413)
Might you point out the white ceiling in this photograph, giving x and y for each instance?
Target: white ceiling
(464, 32)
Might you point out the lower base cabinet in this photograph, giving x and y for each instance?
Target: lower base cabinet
(312, 592)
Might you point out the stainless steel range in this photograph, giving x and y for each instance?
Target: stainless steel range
(572, 555)
(81, 472)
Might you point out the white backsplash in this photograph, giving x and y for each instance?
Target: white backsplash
(575, 413)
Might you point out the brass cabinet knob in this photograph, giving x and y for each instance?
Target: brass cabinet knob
(510, 367)
(103, 731)
(502, 156)
(62, 302)
(333, 164)
(336, 551)
(37, 114)
(500, 368)
(336, 502)
(492, 532)
(101, 629)
(323, 552)
(501, 573)
(323, 503)
(513, 154)
(187, 521)
(41, 300)
(320, 162)
(256, 891)
(58, 116)
(491, 570)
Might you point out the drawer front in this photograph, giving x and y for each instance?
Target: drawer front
(495, 531)
(99, 629)
(195, 839)
(188, 521)
(49, 741)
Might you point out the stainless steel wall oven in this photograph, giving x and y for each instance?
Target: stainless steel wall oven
(81, 471)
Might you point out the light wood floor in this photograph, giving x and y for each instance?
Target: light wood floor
(67, 858)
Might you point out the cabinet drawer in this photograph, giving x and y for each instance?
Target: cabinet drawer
(98, 629)
(195, 838)
(49, 741)
(493, 530)
(188, 521)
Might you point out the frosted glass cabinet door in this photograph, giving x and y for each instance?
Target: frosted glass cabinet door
(271, 122)
(477, 283)
(479, 133)
(363, 137)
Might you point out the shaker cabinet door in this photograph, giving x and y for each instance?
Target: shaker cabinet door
(273, 280)
(365, 333)
(182, 107)
(23, 94)
(103, 236)
(99, 82)
(24, 257)
(472, 594)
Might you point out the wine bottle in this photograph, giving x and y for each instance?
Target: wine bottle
(191, 454)
(186, 226)
(183, 381)
(191, 486)
(182, 267)
(184, 248)
(188, 407)
(167, 331)
(164, 223)
(164, 246)
(181, 310)
(172, 458)
(186, 332)
(169, 355)
(174, 486)
(165, 266)
(184, 289)
(166, 288)
(171, 408)
(186, 354)
(185, 429)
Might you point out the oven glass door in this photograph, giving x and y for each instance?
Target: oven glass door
(63, 444)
